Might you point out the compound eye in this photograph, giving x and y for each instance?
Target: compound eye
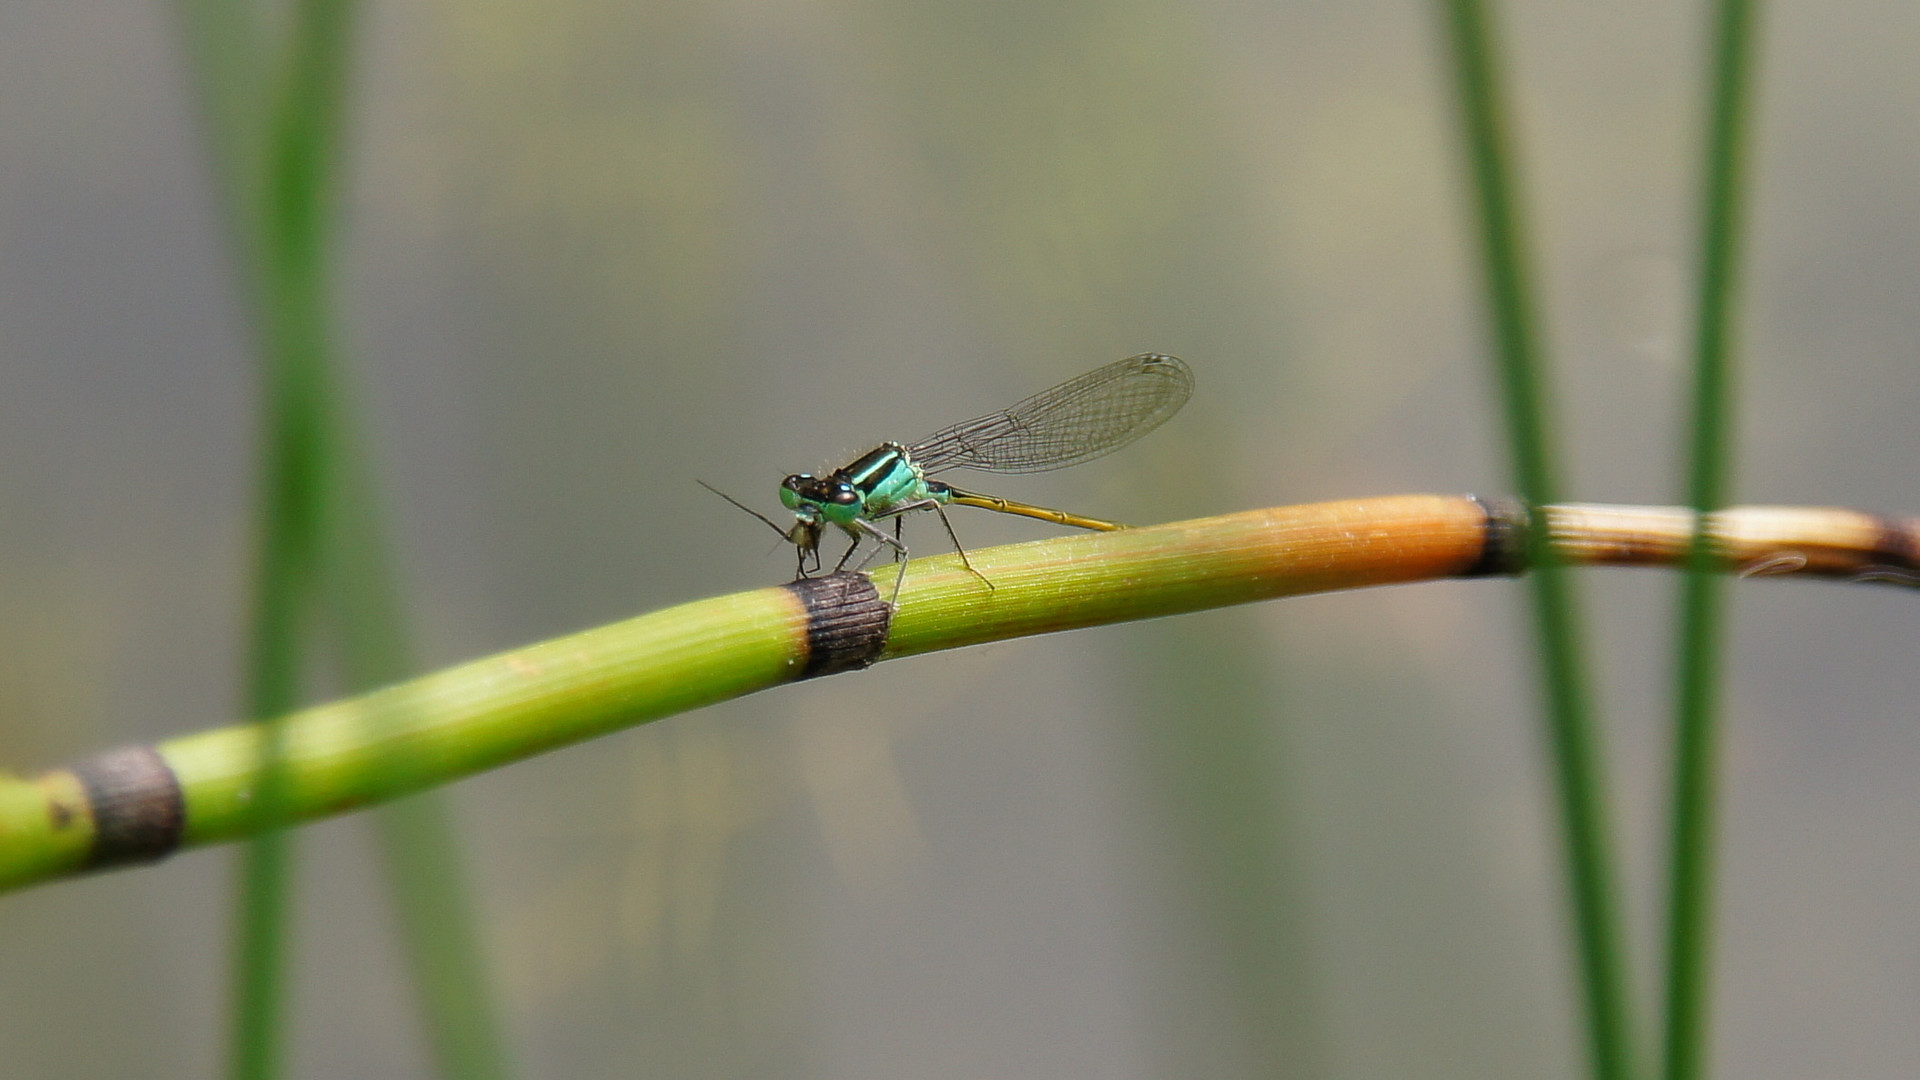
(797, 489)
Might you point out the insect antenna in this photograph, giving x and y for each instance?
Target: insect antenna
(769, 521)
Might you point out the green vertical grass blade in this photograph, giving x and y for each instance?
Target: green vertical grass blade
(222, 40)
(418, 847)
(428, 885)
(1576, 756)
(231, 61)
(298, 175)
(1690, 899)
(1232, 861)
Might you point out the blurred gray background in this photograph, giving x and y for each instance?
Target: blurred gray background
(598, 249)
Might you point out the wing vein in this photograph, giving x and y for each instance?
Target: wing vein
(1079, 420)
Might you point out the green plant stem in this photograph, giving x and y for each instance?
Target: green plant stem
(1577, 761)
(1703, 600)
(437, 728)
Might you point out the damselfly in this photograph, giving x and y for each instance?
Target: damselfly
(1077, 421)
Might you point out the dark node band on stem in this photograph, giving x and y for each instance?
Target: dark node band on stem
(1503, 551)
(1896, 551)
(847, 622)
(139, 811)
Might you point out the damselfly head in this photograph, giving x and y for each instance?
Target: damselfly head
(816, 498)
(804, 534)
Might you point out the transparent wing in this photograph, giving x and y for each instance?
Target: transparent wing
(1077, 421)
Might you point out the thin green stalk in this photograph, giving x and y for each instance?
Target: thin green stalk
(136, 804)
(1696, 708)
(416, 839)
(301, 149)
(437, 728)
(291, 480)
(1522, 379)
(223, 42)
(418, 845)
